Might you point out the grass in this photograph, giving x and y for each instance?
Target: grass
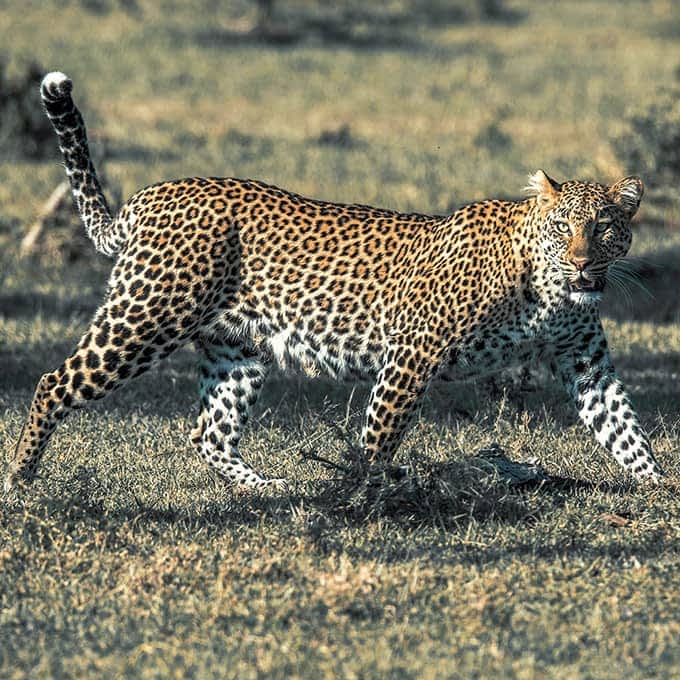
(127, 559)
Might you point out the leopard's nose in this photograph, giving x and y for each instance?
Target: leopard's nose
(580, 262)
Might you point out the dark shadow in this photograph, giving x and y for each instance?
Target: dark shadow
(652, 290)
(569, 485)
(442, 493)
(659, 362)
(295, 36)
(170, 389)
(26, 305)
(445, 497)
(340, 138)
(368, 26)
(80, 509)
(82, 502)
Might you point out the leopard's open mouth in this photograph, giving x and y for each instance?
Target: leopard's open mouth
(585, 291)
(584, 285)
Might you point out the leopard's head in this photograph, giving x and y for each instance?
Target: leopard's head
(585, 228)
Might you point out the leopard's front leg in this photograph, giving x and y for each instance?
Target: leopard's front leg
(408, 369)
(603, 404)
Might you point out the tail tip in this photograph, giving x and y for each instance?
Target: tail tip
(55, 85)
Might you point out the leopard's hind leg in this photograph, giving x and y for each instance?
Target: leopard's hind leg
(231, 377)
(112, 351)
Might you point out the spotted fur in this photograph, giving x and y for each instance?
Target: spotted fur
(255, 276)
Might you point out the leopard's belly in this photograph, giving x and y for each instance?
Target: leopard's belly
(290, 344)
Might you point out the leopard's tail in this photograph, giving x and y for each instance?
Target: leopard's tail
(107, 233)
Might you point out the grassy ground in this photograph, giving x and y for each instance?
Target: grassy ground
(127, 559)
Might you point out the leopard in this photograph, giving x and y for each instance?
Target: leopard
(257, 277)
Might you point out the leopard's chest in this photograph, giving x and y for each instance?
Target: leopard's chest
(523, 338)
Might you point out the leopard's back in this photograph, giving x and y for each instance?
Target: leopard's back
(307, 282)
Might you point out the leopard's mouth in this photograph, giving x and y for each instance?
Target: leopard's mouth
(585, 291)
(582, 284)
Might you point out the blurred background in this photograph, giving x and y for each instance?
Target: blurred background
(412, 104)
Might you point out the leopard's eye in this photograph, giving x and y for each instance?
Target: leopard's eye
(602, 225)
(562, 227)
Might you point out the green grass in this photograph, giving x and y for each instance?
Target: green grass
(128, 559)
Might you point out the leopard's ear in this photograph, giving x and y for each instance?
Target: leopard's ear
(545, 188)
(627, 194)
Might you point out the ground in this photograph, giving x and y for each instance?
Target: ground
(127, 558)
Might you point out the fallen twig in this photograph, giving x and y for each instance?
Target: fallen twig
(308, 455)
(51, 205)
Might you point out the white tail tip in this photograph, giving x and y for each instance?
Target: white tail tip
(55, 85)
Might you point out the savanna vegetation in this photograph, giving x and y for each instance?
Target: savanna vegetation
(128, 559)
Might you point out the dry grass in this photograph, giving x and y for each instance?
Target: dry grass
(127, 559)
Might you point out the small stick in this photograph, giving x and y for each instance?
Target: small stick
(308, 455)
(48, 209)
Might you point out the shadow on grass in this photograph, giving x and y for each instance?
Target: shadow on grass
(170, 390)
(660, 363)
(26, 305)
(439, 498)
(84, 504)
(21, 368)
(444, 495)
(440, 495)
(451, 497)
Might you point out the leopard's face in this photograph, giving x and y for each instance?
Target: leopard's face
(585, 228)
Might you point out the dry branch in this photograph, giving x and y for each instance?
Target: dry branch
(48, 209)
